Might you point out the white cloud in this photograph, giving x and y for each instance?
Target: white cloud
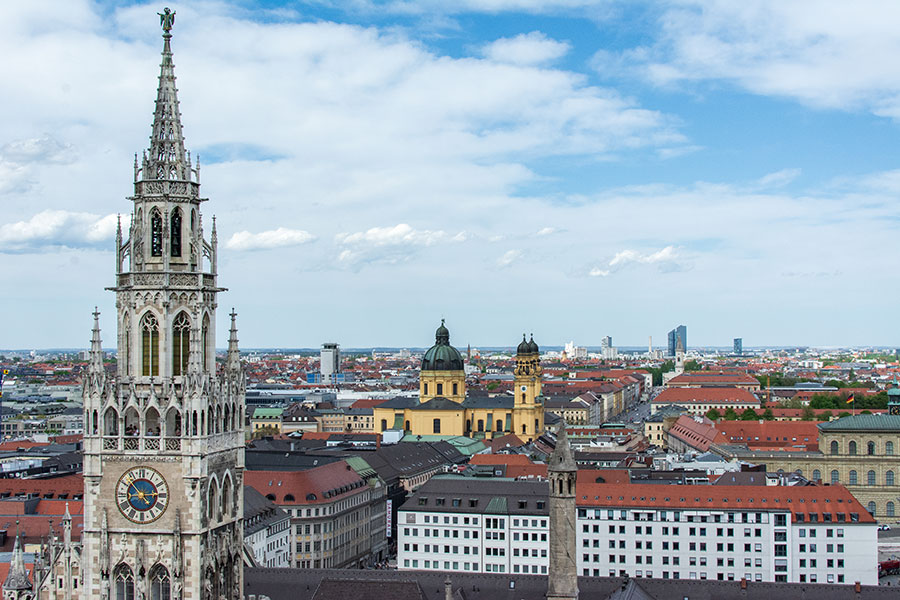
(547, 231)
(57, 228)
(598, 272)
(821, 53)
(631, 256)
(779, 178)
(276, 238)
(533, 48)
(400, 234)
(508, 258)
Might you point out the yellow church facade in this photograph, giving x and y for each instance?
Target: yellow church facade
(443, 407)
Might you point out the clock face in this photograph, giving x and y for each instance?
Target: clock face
(142, 495)
(523, 388)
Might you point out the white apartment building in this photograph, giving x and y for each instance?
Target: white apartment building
(267, 531)
(808, 534)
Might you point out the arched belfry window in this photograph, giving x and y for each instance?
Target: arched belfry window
(156, 233)
(160, 585)
(149, 345)
(124, 367)
(175, 233)
(181, 343)
(124, 581)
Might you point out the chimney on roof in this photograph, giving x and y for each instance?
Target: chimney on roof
(857, 587)
(743, 583)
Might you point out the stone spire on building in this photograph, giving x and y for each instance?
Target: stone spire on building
(679, 357)
(233, 360)
(17, 586)
(562, 584)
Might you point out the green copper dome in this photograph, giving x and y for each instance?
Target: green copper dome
(442, 356)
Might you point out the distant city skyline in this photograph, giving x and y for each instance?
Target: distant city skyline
(574, 169)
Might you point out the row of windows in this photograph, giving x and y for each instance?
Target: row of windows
(150, 342)
(853, 477)
(871, 448)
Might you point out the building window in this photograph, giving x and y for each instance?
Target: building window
(817, 475)
(871, 508)
(852, 449)
(437, 425)
(181, 343)
(889, 448)
(455, 389)
(889, 478)
(834, 447)
(384, 424)
(480, 424)
(155, 233)
(870, 448)
(175, 233)
(124, 581)
(870, 478)
(440, 389)
(853, 478)
(889, 509)
(149, 345)
(159, 583)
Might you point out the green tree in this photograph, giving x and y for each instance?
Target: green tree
(692, 365)
(713, 414)
(808, 414)
(749, 415)
(730, 415)
(843, 414)
(825, 415)
(768, 415)
(823, 401)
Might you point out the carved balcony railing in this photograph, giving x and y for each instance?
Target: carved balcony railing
(131, 443)
(111, 443)
(151, 443)
(173, 444)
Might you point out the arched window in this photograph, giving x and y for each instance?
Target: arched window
(124, 581)
(173, 423)
(156, 233)
(437, 426)
(175, 233)
(870, 448)
(852, 449)
(889, 448)
(817, 475)
(384, 424)
(480, 424)
(151, 419)
(889, 509)
(455, 389)
(499, 425)
(226, 496)
(111, 422)
(853, 478)
(181, 343)
(227, 420)
(160, 586)
(194, 424)
(870, 478)
(212, 500)
(871, 508)
(834, 447)
(889, 478)
(406, 426)
(149, 345)
(524, 428)
(440, 389)
(835, 476)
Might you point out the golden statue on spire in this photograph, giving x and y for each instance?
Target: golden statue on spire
(167, 19)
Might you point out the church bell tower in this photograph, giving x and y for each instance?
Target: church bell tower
(163, 441)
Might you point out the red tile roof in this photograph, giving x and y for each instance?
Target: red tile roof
(313, 486)
(833, 499)
(67, 484)
(706, 395)
(714, 378)
(772, 434)
(697, 432)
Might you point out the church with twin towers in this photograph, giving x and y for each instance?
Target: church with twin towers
(164, 435)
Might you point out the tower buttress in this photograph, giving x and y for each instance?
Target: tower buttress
(562, 473)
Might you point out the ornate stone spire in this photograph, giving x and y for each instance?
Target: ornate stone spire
(562, 584)
(562, 460)
(233, 361)
(18, 576)
(166, 158)
(95, 366)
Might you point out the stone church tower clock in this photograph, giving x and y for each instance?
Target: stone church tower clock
(163, 442)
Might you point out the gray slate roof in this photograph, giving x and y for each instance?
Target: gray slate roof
(882, 422)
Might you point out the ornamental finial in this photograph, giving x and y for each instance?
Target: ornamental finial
(167, 19)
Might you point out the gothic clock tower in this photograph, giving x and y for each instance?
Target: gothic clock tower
(163, 442)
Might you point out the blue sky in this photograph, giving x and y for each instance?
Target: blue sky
(568, 167)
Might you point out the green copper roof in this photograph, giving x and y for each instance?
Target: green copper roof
(863, 423)
(497, 505)
(466, 446)
(362, 468)
(263, 412)
(442, 356)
